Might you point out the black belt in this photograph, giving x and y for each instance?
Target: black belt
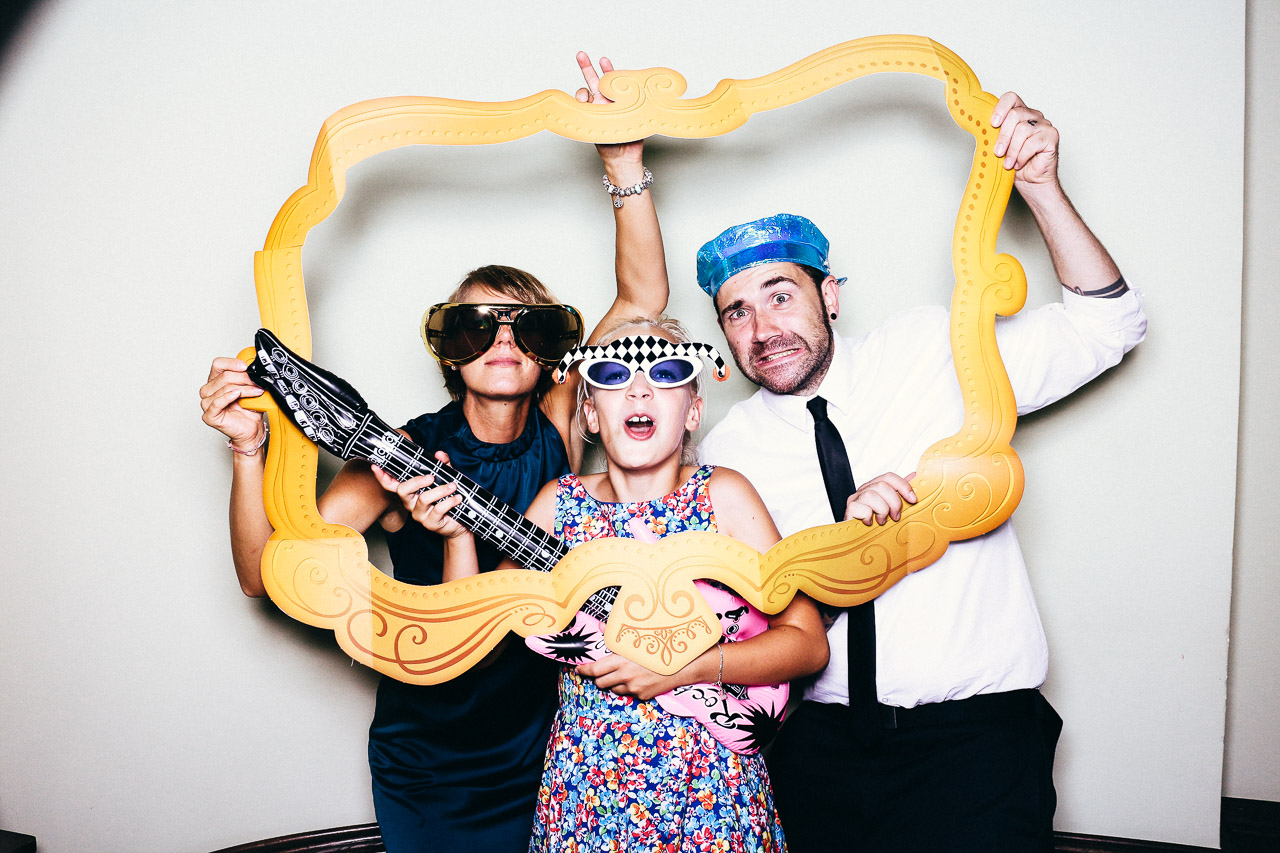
(1014, 704)
(1010, 705)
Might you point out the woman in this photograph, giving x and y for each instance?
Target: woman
(458, 763)
(622, 773)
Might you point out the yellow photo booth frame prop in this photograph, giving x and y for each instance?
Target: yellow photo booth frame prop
(967, 484)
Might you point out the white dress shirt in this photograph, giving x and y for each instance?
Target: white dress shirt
(968, 624)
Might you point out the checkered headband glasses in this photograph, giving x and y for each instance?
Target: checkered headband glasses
(665, 364)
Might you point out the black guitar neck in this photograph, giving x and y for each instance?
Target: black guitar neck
(330, 412)
(515, 536)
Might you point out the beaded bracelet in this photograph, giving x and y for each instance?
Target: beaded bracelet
(720, 674)
(252, 451)
(619, 193)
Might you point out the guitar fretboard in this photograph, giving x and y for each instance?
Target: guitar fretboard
(524, 542)
(334, 415)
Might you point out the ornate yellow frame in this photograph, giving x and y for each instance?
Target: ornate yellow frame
(967, 484)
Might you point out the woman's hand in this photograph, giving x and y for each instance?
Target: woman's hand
(427, 503)
(623, 161)
(618, 675)
(220, 399)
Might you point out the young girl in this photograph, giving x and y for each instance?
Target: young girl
(621, 773)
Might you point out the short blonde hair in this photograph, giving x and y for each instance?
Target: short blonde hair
(668, 327)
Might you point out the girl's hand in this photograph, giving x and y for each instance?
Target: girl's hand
(426, 502)
(618, 675)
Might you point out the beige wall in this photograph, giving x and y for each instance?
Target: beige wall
(1252, 766)
(146, 705)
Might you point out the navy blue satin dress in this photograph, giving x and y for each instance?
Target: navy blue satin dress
(456, 766)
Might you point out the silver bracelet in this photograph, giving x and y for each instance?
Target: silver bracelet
(619, 193)
(252, 451)
(720, 674)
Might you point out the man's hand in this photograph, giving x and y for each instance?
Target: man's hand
(1028, 142)
(1029, 145)
(880, 499)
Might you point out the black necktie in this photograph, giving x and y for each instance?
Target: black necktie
(837, 476)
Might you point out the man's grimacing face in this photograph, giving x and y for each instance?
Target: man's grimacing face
(775, 321)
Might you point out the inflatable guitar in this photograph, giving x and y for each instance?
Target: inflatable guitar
(331, 413)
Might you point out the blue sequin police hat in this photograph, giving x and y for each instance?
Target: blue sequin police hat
(783, 237)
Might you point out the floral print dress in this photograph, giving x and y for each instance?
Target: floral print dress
(622, 774)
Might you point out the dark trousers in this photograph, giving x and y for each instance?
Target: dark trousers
(950, 781)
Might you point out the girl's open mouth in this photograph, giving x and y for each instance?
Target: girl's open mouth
(640, 427)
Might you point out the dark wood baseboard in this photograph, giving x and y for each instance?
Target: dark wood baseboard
(1248, 826)
(16, 842)
(363, 838)
(1069, 842)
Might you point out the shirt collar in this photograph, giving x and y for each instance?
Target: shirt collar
(836, 388)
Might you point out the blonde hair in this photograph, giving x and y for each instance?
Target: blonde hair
(668, 327)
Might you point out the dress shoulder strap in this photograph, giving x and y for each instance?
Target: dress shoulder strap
(696, 486)
(572, 502)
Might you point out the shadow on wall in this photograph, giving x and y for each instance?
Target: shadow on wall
(13, 15)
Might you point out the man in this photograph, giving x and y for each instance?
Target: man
(951, 746)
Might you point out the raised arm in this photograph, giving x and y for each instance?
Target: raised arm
(640, 263)
(246, 434)
(354, 498)
(1029, 144)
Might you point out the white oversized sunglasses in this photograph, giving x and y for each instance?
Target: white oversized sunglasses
(664, 363)
(614, 374)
